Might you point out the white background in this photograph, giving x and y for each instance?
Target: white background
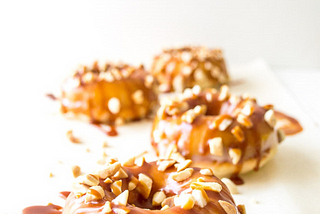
(42, 41)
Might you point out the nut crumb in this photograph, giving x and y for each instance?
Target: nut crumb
(71, 137)
(76, 170)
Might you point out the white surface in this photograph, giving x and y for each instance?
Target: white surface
(285, 33)
(34, 144)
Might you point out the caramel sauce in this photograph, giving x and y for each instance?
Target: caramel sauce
(49, 209)
(236, 179)
(192, 139)
(108, 130)
(161, 181)
(288, 124)
(64, 194)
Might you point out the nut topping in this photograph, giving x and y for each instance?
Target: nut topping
(116, 187)
(225, 124)
(212, 186)
(76, 171)
(109, 170)
(281, 135)
(168, 202)
(145, 185)
(216, 146)
(137, 97)
(238, 133)
(133, 183)
(182, 175)
(120, 174)
(227, 207)
(224, 93)
(247, 109)
(235, 155)
(122, 199)
(165, 164)
(207, 172)
(186, 201)
(200, 196)
(130, 162)
(270, 118)
(158, 198)
(94, 193)
(231, 186)
(244, 120)
(90, 180)
(183, 165)
(114, 105)
(107, 207)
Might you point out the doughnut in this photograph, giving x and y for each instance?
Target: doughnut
(177, 69)
(227, 133)
(151, 187)
(109, 94)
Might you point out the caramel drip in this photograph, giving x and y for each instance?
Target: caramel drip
(64, 194)
(161, 181)
(288, 124)
(49, 209)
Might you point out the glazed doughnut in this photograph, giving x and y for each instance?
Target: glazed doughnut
(112, 94)
(149, 188)
(177, 69)
(229, 134)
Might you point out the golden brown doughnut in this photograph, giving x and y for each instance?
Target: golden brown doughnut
(109, 95)
(177, 69)
(149, 188)
(229, 134)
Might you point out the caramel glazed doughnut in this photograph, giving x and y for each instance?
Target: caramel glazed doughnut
(109, 95)
(227, 133)
(155, 187)
(177, 69)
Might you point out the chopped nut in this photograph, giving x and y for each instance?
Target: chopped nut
(207, 172)
(208, 65)
(119, 121)
(186, 56)
(130, 162)
(200, 196)
(281, 135)
(158, 198)
(50, 174)
(116, 187)
(145, 185)
(212, 186)
(238, 133)
(157, 136)
(94, 193)
(120, 174)
(231, 186)
(242, 209)
(182, 175)
(165, 164)
(187, 93)
(87, 149)
(90, 179)
(186, 70)
(198, 110)
(186, 201)
(216, 146)
(225, 124)
(196, 89)
(137, 97)
(178, 84)
(224, 93)
(104, 154)
(168, 202)
(183, 165)
(234, 99)
(76, 170)
(109, 170)
(133, 183)
(165, 207)
(189, 116)
(104, 144)
(107, 207)
(170, 150)
(209, 96)
(114, 105)
(235, 155)
(199, 75)
(122, 210)
(108, 181)
(122, 199)
(148, 81)
(244, 120)
(247, 109)
(177, 156)
(140, 161)
(227, 207)
(270, 118)
(71, 137)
